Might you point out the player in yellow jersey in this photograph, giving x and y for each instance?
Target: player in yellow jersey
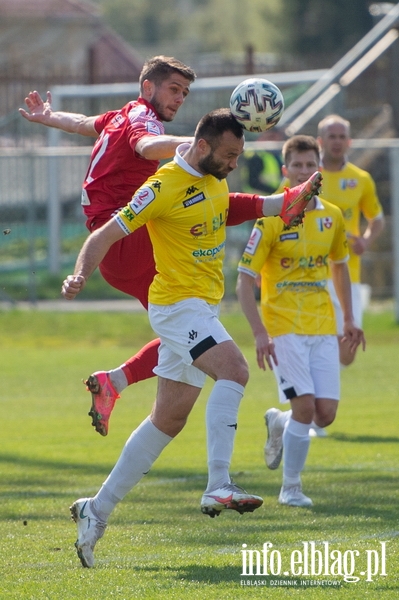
(353, 190)
(184, 205)
(296, 336)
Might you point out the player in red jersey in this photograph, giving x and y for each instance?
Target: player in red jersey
(130, 143)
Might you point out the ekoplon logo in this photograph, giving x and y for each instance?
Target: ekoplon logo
(313, 560)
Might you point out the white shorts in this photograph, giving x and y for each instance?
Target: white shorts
(187, 329)
(357, 305)
(307, 364)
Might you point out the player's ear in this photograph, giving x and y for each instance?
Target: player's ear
(203, 146)
(148, 88)
(284, 171)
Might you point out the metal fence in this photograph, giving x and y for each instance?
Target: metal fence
(43, 227)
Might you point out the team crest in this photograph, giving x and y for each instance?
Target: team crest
(325, 223)
(348, 184)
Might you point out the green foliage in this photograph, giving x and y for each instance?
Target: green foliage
(317, 28)
(207, 25)
(158, 545)
(328, 27)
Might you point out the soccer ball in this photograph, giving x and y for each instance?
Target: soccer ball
(257, 104)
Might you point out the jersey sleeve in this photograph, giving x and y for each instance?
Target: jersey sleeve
(141, 125)
(339, 248)
(146, 204)
(102, 120)
(369, 203)
(244, 207)
(257, 248)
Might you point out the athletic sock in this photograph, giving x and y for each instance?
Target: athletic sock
(141, 365)
(139, 454)
(296, 442)
(221, 426)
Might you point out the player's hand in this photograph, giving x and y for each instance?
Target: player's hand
(357, 243)
(38, 109)
(72, 285)
(353, 336)
(265, 351)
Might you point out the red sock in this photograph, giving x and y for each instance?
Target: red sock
(140, 366)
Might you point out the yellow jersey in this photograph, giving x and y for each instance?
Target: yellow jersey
(293, 264)
(353, 190)
(185, 213)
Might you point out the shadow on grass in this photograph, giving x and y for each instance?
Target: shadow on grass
(363, 439)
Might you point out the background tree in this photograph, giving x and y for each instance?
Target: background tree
(322, 30)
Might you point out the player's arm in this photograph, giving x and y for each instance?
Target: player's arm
(93, 251)
(360, 244)
(263, 342)
(340, 276)
(40, 111)
(158, 147)
(289, 205)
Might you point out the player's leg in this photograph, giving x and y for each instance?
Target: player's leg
(116, 268)
(289, 430)
(210, 350)
(172, 406)
(296, 446)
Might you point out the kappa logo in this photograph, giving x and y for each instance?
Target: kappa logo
(191, 190)
(192, 335)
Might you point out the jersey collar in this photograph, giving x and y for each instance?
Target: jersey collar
(179, 160)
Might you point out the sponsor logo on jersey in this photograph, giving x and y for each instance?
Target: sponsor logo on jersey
(208, 253)
(293, 235)
(194, 200)
(127, 213)
(142, 199)
(348, 184)
(117, 120)
(301, 286)
(253, 242)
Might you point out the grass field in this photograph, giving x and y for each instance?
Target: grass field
(158, 544)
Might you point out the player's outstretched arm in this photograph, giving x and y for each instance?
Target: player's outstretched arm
(40, 111)
(159, 147)
(93, 251)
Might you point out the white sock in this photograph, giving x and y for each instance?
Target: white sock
(273, 205)
(296, 442)
(118, 379)
(221, 426)
(139, 454)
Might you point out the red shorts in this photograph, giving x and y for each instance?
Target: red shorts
(129, 264)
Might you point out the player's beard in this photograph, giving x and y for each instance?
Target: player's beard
(209, 166)
(159, 109)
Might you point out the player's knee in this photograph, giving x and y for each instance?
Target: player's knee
(240, 374)
(324, 417)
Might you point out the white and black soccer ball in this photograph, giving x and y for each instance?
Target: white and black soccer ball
(257, 104)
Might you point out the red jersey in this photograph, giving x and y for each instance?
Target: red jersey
(116, 170)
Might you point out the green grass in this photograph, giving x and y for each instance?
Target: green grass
(158, 544)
